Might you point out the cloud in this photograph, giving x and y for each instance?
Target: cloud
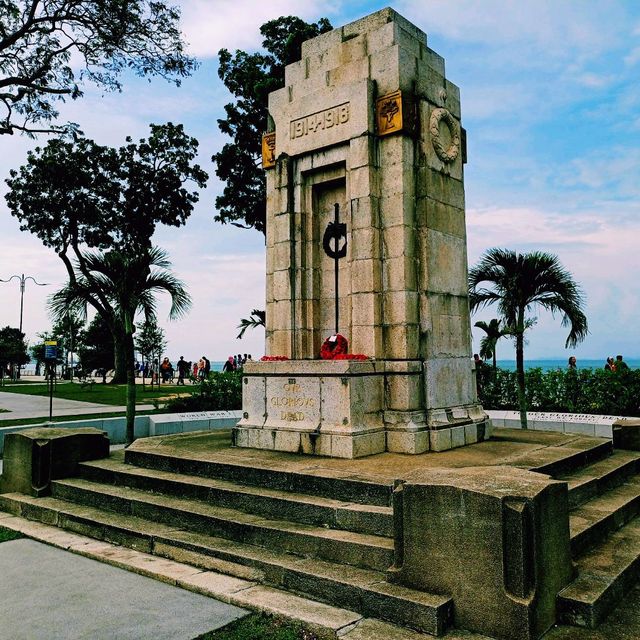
(234, 24)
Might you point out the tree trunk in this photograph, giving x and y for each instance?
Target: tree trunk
(131, 387)
(120, 357)
(522, 398)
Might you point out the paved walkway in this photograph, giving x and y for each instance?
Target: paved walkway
(50, 593)
(22, 407)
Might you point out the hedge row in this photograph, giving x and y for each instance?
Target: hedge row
(572, 391)
(221, 392)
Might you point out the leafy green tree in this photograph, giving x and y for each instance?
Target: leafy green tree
(488, 342)
(517, 283)
(150, 340)
(119, 286)
(78, 194)
(96, 347)
(13, 349)
(250, 77)
(49, 50)
(257, 319)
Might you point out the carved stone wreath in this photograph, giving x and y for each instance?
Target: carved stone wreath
(451, 153)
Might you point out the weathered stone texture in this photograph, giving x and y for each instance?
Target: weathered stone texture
(495, 538)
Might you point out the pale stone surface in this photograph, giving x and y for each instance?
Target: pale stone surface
(402, 283)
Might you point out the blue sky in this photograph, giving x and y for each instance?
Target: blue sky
(550, 97)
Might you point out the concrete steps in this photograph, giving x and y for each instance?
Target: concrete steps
(605, 537)
(359, 589)
(247, 471)
(357, 549)
(263, 501)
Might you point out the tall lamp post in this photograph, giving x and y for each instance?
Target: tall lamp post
(23, 282)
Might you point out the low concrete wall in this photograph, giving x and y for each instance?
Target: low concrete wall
(582, 424)
(154, 425)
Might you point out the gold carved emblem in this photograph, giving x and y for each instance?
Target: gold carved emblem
(269, 150)
(389, 113)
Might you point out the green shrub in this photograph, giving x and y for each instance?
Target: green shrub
(565, 390)
(221, 392)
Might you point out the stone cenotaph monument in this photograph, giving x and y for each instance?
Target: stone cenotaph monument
(366, 128)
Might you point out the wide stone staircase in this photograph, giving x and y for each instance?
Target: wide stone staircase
(330, 537)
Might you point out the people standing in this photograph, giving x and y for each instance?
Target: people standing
(621, 365)
(183, 370)
(610, 365)
(229, 365)
(572, 364)
(201, 372)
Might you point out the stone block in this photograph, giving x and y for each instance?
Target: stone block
(281, 287)
(365, 244)
(470, 433)
(361, 152)
(407, 442)
(365, 212)
(287, 441)
(365, 276)
(399, 274)
(322, 43)
(449, 383)
(404, 392)
(399, 240)
(496, 539)
(440, 217)
(396, 209)
(295, 73)
(446, 267)
(35, 457)
(401, 341)
(381, 38)
(427, 149)
(434, 60)
(400, 307)
(254, 401)
(366, 339)
(626, 434)
(440, 439)
(365, 309)
(384, 67)
(457, 437)
(436, 185)
(362, 182)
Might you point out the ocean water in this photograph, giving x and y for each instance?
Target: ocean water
(549, 364)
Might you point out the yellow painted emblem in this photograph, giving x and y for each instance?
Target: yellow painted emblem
(389, 113)
(269, 150)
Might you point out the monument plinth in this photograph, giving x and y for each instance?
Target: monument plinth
(366, 121)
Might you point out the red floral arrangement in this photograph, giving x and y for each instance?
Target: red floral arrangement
(351, 356)
(333, 347)
(273, 358)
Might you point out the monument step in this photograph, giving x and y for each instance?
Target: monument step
(576, 453)
(362, 590)
(358, 549)
(601, 476)
(593, 521)
(270, 503)
(252, 471)
(606, 573)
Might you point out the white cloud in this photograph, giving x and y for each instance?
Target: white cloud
(234, 24)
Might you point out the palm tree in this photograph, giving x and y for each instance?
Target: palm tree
(488, 343)
(119, 287)
(519, 282)
(257, 319)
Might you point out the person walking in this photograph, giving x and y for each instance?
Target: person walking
(183, 370)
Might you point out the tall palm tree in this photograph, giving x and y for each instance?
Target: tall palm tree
(517, 283)
(119, 286)
(494, 333)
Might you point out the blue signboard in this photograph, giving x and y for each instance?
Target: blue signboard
(50, 350)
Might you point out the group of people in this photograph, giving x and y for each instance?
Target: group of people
(235, 363)
(611, 365)
(165, 371)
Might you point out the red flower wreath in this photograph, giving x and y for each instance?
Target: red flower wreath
(334, 346)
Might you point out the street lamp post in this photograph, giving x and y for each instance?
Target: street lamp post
(23, 282)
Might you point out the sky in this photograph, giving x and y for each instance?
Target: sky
(550, 94)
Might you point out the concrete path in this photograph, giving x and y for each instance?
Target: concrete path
(50, 593)
(21, 407)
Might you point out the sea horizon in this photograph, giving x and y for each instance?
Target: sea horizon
(547, 364)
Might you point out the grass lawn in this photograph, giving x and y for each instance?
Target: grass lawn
(259, 626)
(7, 534)
(100, 393)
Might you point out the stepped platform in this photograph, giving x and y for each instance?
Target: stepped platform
(323, 528)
